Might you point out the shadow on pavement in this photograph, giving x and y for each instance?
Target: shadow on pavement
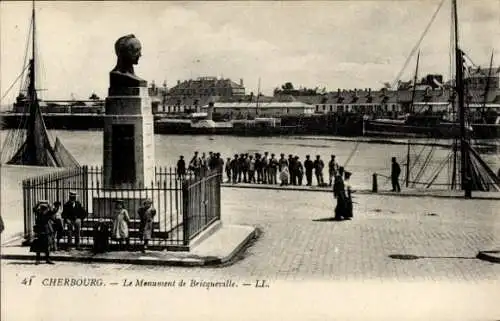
(329, 219)
(416, 257)
(22, 262)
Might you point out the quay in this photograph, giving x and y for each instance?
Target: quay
(435, 193)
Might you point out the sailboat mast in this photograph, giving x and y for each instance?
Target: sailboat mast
(33, 69)
(459, 87)
(415, 78)
(31, 149)
(257, 101)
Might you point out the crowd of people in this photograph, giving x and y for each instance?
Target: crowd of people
(262, 168)
(52, 222)
(266, 168)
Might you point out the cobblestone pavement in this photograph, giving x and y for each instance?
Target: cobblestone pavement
(445, 283)
(296, 243)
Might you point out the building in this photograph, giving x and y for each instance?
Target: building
(240, 110)
(483, 79)
(358, 101)
(206, 87)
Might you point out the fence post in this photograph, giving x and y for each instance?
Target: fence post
(185, 213)
(374, 183)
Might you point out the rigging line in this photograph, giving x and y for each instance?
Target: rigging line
(28, 37)
(425, 164)
(415, 48)
(8, 90)
(439, 169)
(351, 154)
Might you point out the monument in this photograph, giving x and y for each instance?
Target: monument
(128, 122)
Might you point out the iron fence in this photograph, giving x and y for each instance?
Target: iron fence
(185, 204)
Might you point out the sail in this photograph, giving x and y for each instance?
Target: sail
(36, 149)
(63, 156)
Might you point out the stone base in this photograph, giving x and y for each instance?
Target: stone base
(104, 204)
(128, 139)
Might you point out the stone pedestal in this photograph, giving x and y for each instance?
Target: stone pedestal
(128, 138)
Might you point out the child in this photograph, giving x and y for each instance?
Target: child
(284, 175)
(58, 222)
(120, 224)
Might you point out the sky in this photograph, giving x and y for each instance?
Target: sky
(332, 44)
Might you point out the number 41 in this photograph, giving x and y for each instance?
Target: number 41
(27, 281)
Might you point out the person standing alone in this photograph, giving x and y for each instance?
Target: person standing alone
(395, 172)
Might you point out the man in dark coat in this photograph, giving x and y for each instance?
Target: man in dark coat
(395, 172)
(308, 164)
(219, 166)
(73, 214)
(235, 168)
(181, 168)
(299, 169)
(293, 170)
(228, 169)
(318, 170)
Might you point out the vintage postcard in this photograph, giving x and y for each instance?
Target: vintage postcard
(250, 160)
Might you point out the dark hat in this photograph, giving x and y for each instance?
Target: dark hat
(43, 204)
(296, 157)
(72, 193)
(148, 201)
(118, 201)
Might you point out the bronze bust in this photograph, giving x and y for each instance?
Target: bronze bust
(128, 51)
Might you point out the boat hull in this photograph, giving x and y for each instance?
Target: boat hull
(441, 130)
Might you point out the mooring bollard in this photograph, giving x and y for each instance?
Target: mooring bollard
(468, 188)
(374, 183)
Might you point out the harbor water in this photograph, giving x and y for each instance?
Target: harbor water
(363, 158)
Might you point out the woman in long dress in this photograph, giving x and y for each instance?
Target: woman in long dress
(348, 193)
(120, 224)
(340, 195)
(44, 232)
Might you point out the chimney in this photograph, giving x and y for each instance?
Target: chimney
(241, 82)
(210, 110)
(178, 82)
